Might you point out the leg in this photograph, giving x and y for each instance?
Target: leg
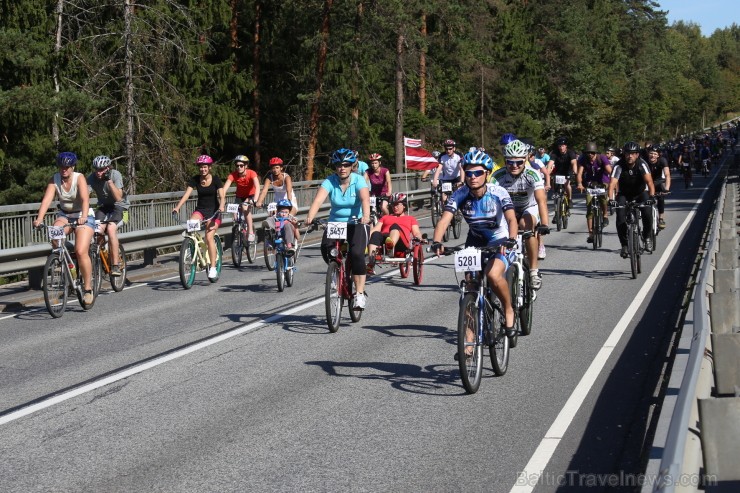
(497, 281)
(211, 242)
(83, 235)
(112, 232)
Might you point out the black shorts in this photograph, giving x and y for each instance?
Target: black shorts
(109, 213)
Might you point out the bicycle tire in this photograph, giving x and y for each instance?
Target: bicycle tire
(596, 224)
(219, 257)
(403, 268)
(498, 344)
(333, 300)
(268, 249)
(354, 315)
(435, 211)
(290, 272)
(280, 271)
(471, 368)
(632, 247)
(236, 246)
(566, 211)
(513, 279)
(96, 273)
(55, 286)
(558, 216)
(418, 264)
(186, 267)
(457, 224)
(118, 282)
(527, 309)
(638, 249)
(599, 236)
(251, 249)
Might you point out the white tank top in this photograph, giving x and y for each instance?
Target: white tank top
(68, 201)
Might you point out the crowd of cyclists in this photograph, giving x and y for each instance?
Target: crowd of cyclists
(497, 200)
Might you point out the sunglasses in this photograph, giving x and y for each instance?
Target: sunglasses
(516, 164)
(591, 153)
(240, 165)
(344, 165)
(475, 173)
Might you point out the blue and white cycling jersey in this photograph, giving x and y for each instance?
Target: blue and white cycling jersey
(485, 216)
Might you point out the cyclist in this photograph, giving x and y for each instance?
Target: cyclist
(350, 197)
(564, 163)
(489, 212)
(392, 228)
(594, 170)
(503, 141)
(633, 178)
(71, 190)
(527, 192)
(360, 167)
(211, 197)
(661, 173)
(247, 188)
(379, 180)
(449, 169)
(282, 185)
(287, 225)
(543, 156)
(684, 162)
(538, 160)
(611, 154)
(107, 183)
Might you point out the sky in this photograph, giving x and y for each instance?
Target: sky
(709, 14)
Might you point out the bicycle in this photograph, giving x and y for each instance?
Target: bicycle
(561, 201)
(339, 284)
(438, 206)
(284, 265)
(705, 167)
(194, 254)
(687, 178)
(375, 214)
(61, 276)
(597, 214)
(635, 247)
(240, 234)
(411, 259)
(99, 252)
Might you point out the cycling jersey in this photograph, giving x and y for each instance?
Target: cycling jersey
(594, 171)
(102, 189)
(521, 188)
(485, 215)
(207, 195)
(656, 169)
(378, 185)
(450, 166)
(631, 180)
(244, 184)
(563, 162)
(347, 203)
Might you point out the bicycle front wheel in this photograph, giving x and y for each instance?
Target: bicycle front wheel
(97, 271)
(435, 211)
(633, 244)
(118, 282)
(251, 248)
(290, 272)
(332, 296)
(457, 224)
(268, 248)
(236, 246)
(187, 259)
(55, 286)
(558, 215)
(280, 272)
(418, 264)
(598, 227)
(469, 348)
(566, 211)
(354, 315)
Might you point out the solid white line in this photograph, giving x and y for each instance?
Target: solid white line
(529, 477)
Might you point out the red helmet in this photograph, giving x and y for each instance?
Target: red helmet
(374, 157)
(276, 161)
(398, 197)
(449, 143)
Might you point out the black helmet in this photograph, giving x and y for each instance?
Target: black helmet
(631, 146)
(561, 141)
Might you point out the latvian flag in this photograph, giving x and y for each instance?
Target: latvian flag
(417, 158)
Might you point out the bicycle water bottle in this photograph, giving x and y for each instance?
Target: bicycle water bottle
(520, 282)
(72, 269)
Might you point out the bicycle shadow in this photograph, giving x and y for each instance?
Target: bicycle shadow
(591, 274)
(248, 288)
(416, 331)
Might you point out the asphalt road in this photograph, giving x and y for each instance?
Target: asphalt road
(277, 403)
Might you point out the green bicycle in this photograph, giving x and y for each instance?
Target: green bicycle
(194, 254)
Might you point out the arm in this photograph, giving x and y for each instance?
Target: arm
(185, 197)
(546, 173)
(574, 166)
(388, 183)
(435, 179)
(416, 231)
(288, 182)
(667, 173)
(51, 191)
(114, 190)
(321, 196)
(261, 195)
(612, 188)
(365, 197)
(510, 217)
(579, 179)
(650, 184)
(541, 198)
(442, 225)
(256, 183)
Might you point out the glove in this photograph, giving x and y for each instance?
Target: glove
(436, 247)
(612, 203)
(510, 243)
(107, 174)
(543, 229)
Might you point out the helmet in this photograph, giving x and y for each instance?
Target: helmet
(516, 148)
(478, 158)
(66, 159)
(241, 158)
(343, 156)
(276, 161)
(449, 143)
(591, 147)
(561, 141)
(506, 138)
(374, 157)
(204, 159)
(611, 149)
(436, 154)
(284, 204)
(101, 162)
(631, 146)
(398, 197)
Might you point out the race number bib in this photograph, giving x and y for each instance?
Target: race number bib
(595, 192)
(447, 187)
(336, 231)
(56, 232)
(373, 201)
(232, 208)
(272, 207)
(193, 225)
(560, 179)
(468, 260)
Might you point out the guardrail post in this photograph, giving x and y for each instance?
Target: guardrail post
(36, 278)
(720, 419)
(150, 256)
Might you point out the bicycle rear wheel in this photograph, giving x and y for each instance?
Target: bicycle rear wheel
(118, 282)
(403, 268)
(333, 300)
(280, 271)
(498, 343)
(471, 364)
(55, 286)
(268, 248)
(219, 257)
(236, 246)
(186, 267)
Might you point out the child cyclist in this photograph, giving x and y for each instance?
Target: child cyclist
(286, 226)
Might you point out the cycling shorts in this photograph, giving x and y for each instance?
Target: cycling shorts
(199, 214)
(532, 210)
(72, 217)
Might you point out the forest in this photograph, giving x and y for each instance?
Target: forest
(155, 83)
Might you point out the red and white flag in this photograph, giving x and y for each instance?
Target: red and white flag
(418, 158)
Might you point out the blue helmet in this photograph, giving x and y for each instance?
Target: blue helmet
(343, 156)
(478, 158)
(506, 138)
(66, 159)
(284, 204)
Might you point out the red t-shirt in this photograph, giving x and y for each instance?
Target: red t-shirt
(404, 222)
(244, 184)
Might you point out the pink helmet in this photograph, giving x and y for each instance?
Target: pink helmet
(204, 159)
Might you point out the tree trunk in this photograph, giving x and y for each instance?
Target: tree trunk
(399, 103)
(57, 89)
(128, 13)
(354, 84)
(234, 33)
(313, 122)
(482, 102)
(256, 80)
(423, 73)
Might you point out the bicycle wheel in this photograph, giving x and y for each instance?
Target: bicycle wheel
(236, 246)
(251, 248)
(527, 308)
(354, 315)
(55, 286)
(566, 211)
(599, 227)
(638, 249)
(333, 300)
(457, 224)
(187, 258)
(435, 211)
(117, 283)
(403, 268)
(498, 343)
(290, 271)
(515, 295)
(418, 264)
(97, 271)
(268, 248)
(558, 215)
(471, 366)
(219, 257)
(596, 218)
(633, 246)
(280, 271)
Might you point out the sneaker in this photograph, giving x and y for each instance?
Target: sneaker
(212, 273)
(624, 252)
(535, 280)
(360, 301)
(88, 298)
(389, 244)
(606, 222)
(115, 271)
(590, 238)
(649, 244)
(289, 250)
(541, 253)
(661, 224)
